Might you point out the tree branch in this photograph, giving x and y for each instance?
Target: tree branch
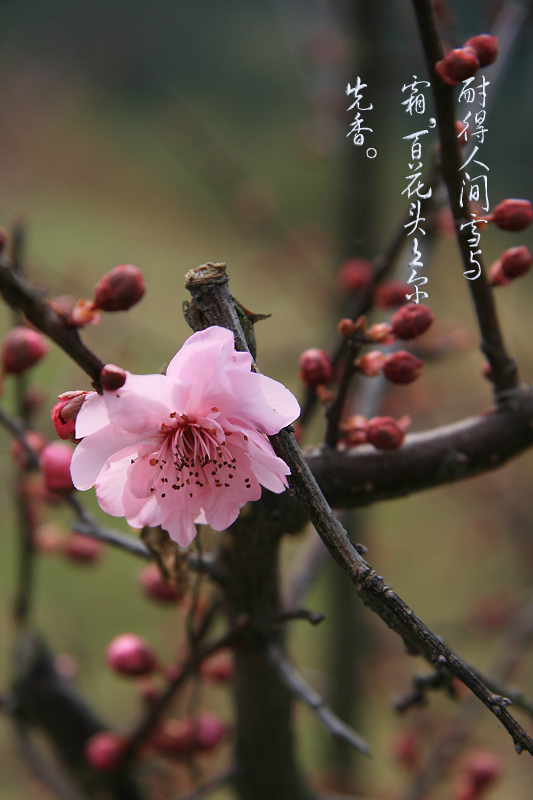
(299, 687)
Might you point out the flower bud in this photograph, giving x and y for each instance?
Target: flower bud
(391, 294)
(173, 737)
(515, 262)
(155, 587)
(486, 48)
(104, 751)
(218, 669)
(356, 275)
(65, 411)
(83, 313)
(512, 215)
(385, 433)
(48, 538)
(112, 378)
(479, 772)
(55, 465)
(21, 349)
(411, 321)
(209, 731)
(130, 654)
(82, 549)
(35, 440)
(457, 66)
(347, 328)
(379, 333)
(406, 749)
(402, 367)
(354, 430)
(315, 367)
(371, 363)
(120, 289)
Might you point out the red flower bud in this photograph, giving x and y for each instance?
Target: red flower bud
(65, 411)
(347, 328)
(104, 751)
(155, 587)
(391, 294)
(219, 668)
(512, 215)
(130, 654)
(315, 367)
(371, 363)
(173, 737)
(55, 464)
(83, 313)
(112, 378)
(402, 367)
(356, 274)
(457, 66)
(21, 349)
(82, 550)
(120, 289)
(379, 333)
(486, 48)
(411, 321)
(385, 433)
(406, 749)
(479, 772)
(354, 430)
(512, 264)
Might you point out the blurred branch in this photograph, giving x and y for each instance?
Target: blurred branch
(422, 685)
(503, 368)
(299, 687)
(213, 304)
(19, 293)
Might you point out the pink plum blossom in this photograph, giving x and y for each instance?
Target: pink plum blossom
(186, 447)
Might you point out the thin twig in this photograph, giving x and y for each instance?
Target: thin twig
(504, 372)
(299, 687)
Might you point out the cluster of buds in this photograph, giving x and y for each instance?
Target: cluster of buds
(385, 433)
(400, 367)
(22, 348)
(188, 737)
(513, 263)
(119, 290)
(463, 62)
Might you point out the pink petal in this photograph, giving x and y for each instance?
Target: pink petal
(93, 451)
(92, 416)
(262, 402)
(144, 402)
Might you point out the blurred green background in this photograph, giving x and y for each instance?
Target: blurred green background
(168, 134)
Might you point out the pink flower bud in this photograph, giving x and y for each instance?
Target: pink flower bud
(457, 66)
(104, 751)
(55, 465)
(512, 215)
(486, 48)
(347, 328)
(21, 349)
(218, 669)
(315, 367)
(65, 411)
(391, 294)
(155, 587)
(112, 378)
(130, 654)
(35, 440)
(402, 367)
(371, 363)
(82, 550)
(411, 321)
(120, 289)
(356, 274)
(479, 773)
(385, 433)
(512, 264)
(209, 731)
(354, 430)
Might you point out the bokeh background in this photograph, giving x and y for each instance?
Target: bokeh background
(168, 134)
